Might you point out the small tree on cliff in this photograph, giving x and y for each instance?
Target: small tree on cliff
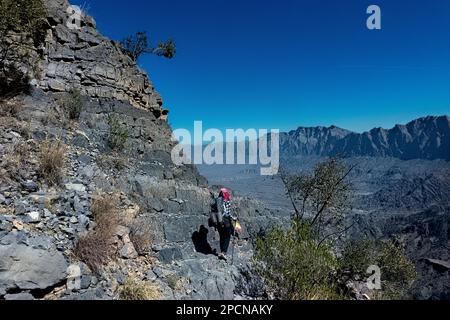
(322, 198)
(136, 45)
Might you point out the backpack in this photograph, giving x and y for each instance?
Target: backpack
(215, 216)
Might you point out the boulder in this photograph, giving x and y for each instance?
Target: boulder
(19, 296)
(30, 186)
(34, 216)
(80, 140)
(56, 85)
(30, 267)
(76, 187)
(168, 255)
(128, 251)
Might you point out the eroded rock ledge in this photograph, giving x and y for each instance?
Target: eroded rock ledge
(84, 59)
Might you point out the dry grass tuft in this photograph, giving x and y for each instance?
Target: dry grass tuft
(96, 248)
(174, 281)
(15, 159)
(52, 155)
(138, 290)
(103, 207)
(10, 108)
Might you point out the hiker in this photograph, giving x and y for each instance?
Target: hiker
(225, 223)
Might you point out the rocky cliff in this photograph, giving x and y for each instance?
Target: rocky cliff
(41, 223)
(81, 58)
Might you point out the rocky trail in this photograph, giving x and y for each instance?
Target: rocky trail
(39, 225)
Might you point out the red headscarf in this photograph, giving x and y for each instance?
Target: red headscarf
(225, 194)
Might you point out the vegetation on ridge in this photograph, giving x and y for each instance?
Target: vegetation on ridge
(136, 45)
(303, 261)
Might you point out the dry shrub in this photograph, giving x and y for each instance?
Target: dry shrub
(104, 206)
(133, 289)
(73, 104)
(25, 130)
(10, 108)
(112, 161)
(14, 159)
(96, 248)
(51, 157)
(7, 122)
(49, 205)
(142, 236)
(174, 281)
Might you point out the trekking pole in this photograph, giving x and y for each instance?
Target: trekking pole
(232, 250)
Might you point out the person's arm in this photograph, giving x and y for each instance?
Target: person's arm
(233, 212)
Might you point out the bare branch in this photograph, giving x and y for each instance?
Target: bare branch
(335, 234)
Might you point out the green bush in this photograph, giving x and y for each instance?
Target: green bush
(397, 271)
(12, 81)
(73, 104)
(322, 197)
(356, 257)
(23, 16)
(118, 133)
(166, 49)
(294, 265)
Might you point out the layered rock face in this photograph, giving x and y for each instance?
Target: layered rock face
(81, 58)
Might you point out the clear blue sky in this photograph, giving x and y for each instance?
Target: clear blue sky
(285, 63)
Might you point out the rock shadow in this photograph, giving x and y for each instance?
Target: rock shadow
(200, 241)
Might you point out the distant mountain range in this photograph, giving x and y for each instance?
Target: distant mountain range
(391, 198)
(424, 138)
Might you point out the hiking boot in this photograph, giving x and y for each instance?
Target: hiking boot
(222, 256)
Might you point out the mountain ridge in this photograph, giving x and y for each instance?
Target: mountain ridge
(423, 138)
